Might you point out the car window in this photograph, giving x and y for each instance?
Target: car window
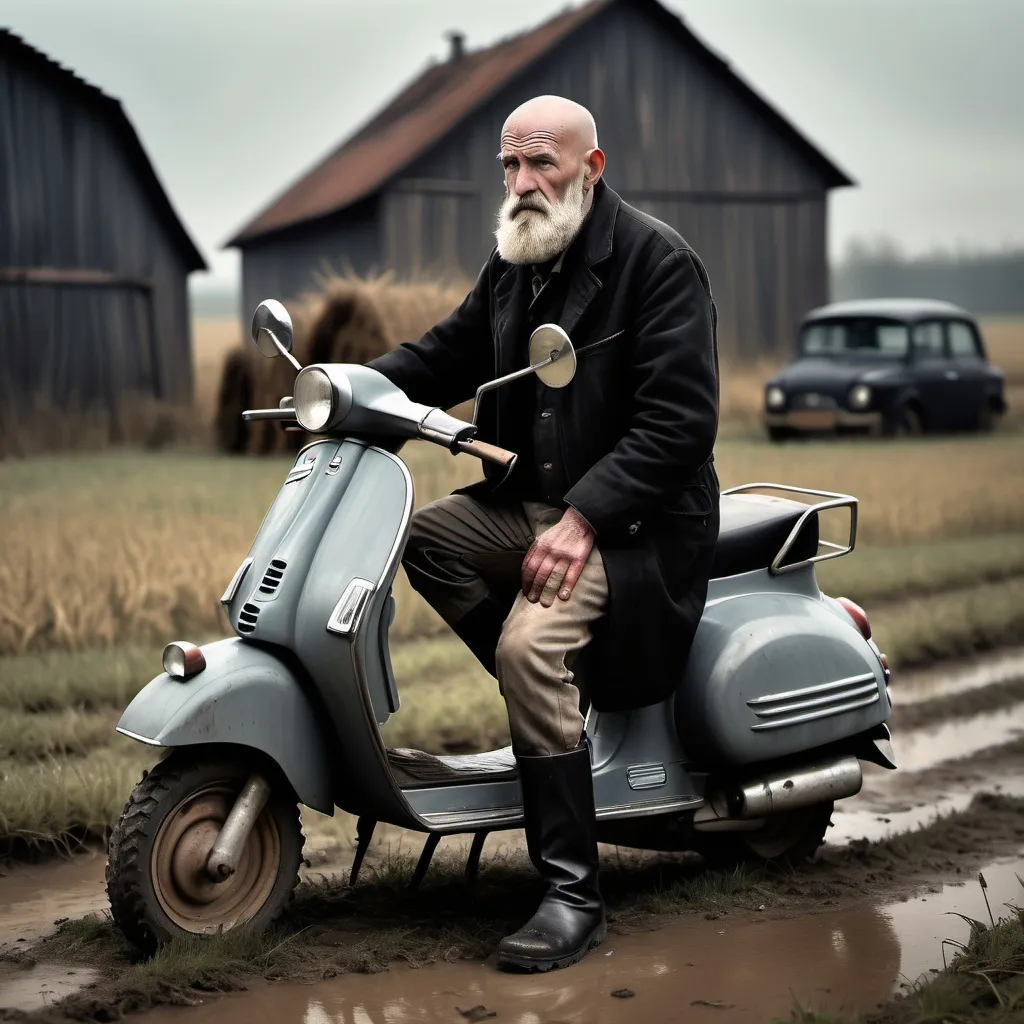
(928, 340)
(860, 337)
(962, 343)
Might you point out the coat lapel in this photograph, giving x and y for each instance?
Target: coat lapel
(584, 284)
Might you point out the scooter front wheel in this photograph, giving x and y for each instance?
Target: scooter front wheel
(157, 881)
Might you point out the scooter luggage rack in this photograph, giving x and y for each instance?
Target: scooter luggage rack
(835, 500)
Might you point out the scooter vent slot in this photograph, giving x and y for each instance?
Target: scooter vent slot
(273, 576)
(247, 618)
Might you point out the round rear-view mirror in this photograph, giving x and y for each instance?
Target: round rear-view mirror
(271, 321)
(552, 355)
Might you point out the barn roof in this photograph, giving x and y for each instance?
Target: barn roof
(445, 94)
(110, 110)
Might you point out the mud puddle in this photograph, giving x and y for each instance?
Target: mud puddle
(39, 986)
(33, 897)
(920, 685)
(921, 749)
(690, 970)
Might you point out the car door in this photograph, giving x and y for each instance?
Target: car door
(968, 365)
(933, 374)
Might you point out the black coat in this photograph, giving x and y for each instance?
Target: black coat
(638, 424)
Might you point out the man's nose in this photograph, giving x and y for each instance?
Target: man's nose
(524, 183)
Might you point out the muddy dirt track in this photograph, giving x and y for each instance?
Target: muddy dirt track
(844, 934)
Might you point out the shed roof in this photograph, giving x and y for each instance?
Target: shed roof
(109, 109)
(445, 94)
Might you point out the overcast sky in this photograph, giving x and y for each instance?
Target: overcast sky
(920, 101)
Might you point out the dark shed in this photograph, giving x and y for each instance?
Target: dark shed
(94, 261)
(416, 189)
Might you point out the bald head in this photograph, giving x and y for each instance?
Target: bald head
(563, 120)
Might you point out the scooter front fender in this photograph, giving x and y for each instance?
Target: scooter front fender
(245, 696)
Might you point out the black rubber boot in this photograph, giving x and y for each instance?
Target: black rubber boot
(561, 836)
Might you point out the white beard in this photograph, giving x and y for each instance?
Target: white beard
(536, 236)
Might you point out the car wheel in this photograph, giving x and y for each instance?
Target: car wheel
(986, 418)
(905, 421)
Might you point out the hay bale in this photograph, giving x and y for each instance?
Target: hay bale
(347, 319)
(234, 395)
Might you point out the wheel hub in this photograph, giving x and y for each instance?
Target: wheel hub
(182, 846)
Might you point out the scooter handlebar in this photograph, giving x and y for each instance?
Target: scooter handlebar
(489, 453)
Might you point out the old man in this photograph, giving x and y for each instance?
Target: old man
(601, 538)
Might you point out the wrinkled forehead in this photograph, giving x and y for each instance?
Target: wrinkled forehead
(533, 134)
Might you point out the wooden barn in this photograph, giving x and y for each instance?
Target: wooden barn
(94, 261)
(417, 188)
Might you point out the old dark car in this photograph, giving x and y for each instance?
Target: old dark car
(888, 367)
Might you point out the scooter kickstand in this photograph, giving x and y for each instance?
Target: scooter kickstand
(473, 860)
(364, 833)
(425, 857)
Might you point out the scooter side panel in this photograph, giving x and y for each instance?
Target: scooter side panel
(775, 670)
(244, 696)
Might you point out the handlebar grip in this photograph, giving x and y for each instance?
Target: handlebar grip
(489, 453)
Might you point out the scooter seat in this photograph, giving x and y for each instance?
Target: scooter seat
(416, 768)
(752, 530)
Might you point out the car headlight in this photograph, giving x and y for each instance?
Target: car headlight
(314, 398)
(860, 396)
(775, 398)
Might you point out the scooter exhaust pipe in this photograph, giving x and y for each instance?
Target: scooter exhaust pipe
(778, 792)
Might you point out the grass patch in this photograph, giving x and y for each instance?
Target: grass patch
(879, 572)
(29, 735)
(60, 803)
(951, 625)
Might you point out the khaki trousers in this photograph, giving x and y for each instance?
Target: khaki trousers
(465, 558)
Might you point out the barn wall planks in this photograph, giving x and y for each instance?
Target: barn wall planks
(72, 197)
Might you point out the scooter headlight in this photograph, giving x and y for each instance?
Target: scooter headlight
(314, 398)
(183, 660)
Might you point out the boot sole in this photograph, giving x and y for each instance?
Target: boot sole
(534, 966)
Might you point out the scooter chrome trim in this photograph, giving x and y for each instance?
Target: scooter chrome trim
(236, 581)
(406, 515)
(800, 705)
(810, 716)
(808, 691)
(139, 739)
(348, 612)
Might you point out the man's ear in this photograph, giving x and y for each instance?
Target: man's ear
(593, 163)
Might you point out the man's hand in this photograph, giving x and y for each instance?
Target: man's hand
(564, 549)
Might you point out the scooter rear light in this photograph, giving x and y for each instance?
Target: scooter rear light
(183, 660)
(858, 615)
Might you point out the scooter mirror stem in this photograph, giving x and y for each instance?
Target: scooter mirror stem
(508, 378)
(280, 348)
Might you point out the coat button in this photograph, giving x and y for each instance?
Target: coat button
(634, 527)
(547, 465)
(546, 414)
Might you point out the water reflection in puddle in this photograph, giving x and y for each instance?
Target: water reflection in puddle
(985, 670)
(691, 970)
(924, 748)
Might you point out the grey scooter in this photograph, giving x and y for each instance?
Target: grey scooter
(783, 696)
